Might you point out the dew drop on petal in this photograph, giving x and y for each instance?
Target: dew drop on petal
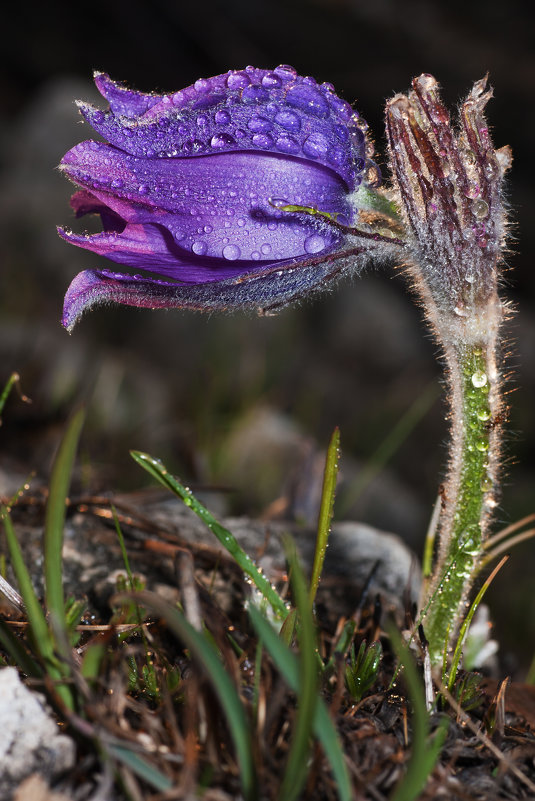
(221, 140)
(237, 80)
(285, 71)
(288, 120)
(199, 248)
(259, 124)
(315, 146)
(314, 243)
(222, 117)
(308, 98)
(266, 249)
(254, 94)
(231, 252)
(271, 79)
(262, 140)
(286, 144)
(202, 85)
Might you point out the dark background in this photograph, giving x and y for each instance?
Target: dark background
(239, 401)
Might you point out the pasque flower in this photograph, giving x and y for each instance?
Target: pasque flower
(448, 183)
(242, 190)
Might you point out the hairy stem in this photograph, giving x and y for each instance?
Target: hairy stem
(468, 497)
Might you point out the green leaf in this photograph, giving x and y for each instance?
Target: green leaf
(425, 749)
(297, 766)
(18, 653)
(286, 663)
(139, 766)
(225, 537)
(41, 636)
(326, 511)
(60, 480)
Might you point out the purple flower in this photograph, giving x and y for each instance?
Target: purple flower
(242, 190)
(449, 183)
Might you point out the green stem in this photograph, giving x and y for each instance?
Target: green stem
(468, 495)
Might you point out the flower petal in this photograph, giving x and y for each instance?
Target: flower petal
(215, 215)
(123, 101)
(253, 109)
(273, 287)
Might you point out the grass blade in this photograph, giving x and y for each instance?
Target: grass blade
(466, 623)
(18, 653)
(324, 729)
(425, 749)
(41, 636)
(39, 628)
(13, 380)
(326, 511)
(139, 766)
(297, 765)
(55, 516)
(228, 696)
(225, 537)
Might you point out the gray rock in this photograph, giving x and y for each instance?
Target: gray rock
(30, 741)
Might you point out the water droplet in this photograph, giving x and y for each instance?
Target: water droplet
(486, 484)
(207, 229)
(315, 146)
(483, 415)
(373, 176)
(240, 222)
(271, 79)
(262, 140)
(237, 80)
(308, 98)
(202, 86)
(258, 124)
(143, 189)
(255, 255)
(254, 94)
(479, 378)
(469, 157)
(286, 144)
(231, 252)
(266, 249)
(314, 243)
(472, 191)
(222, 117)
(482, 445)
(288, 120)
(285, 71)
(480, 208)
(460, 311)
(199, 248)
(221, 140)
